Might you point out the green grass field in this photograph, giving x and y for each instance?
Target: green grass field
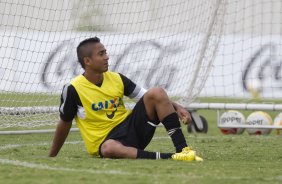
(228, 159)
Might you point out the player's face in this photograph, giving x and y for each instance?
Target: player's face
(99, 59)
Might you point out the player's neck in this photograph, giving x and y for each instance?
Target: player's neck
(95, 78)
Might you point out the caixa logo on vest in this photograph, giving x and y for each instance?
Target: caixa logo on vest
(262, 73)
(140, 61)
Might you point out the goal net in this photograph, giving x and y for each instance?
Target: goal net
(199, 51)
(247, 67)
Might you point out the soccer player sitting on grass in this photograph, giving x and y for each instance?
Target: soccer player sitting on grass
(95, 100)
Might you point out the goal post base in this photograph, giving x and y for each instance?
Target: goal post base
(193, 107)
(24, 132)
(235, 106)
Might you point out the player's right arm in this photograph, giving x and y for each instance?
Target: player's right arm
(61, 134)
(68, 109)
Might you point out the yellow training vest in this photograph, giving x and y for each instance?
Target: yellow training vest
(102, 110)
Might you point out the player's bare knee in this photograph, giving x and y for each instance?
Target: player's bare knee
(108, 148)
(157, 94)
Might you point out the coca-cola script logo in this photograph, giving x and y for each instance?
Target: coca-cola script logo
(141, 61)
(265, 67)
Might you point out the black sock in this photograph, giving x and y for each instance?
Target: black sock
(141, 154)
(172, 125)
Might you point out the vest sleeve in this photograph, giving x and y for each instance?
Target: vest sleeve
(129, 86)
(69, 103)
(131, 89)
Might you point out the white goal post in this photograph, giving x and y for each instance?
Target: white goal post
(217, 54)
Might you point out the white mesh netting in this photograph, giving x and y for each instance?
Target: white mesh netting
(217, 48)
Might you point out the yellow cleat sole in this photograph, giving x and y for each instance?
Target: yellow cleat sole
(199, 159)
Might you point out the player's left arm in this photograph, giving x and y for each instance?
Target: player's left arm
(182, 113)
(134, 91)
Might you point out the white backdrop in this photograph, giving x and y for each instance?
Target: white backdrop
(40, 62)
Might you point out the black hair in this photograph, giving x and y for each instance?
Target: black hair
(83, 49)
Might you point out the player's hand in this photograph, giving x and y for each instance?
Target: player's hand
(183, 115)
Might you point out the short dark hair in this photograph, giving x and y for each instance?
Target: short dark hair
(83, 50)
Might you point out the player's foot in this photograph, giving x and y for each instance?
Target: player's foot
(187, 154)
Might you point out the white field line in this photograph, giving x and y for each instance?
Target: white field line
(119, 172)
(46, 167)
(107, 172)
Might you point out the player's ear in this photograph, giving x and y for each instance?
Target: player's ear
(86, 61)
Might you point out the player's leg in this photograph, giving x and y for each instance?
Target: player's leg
(140, 132)
(115, 149)
(159, 106)
(131, 137)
